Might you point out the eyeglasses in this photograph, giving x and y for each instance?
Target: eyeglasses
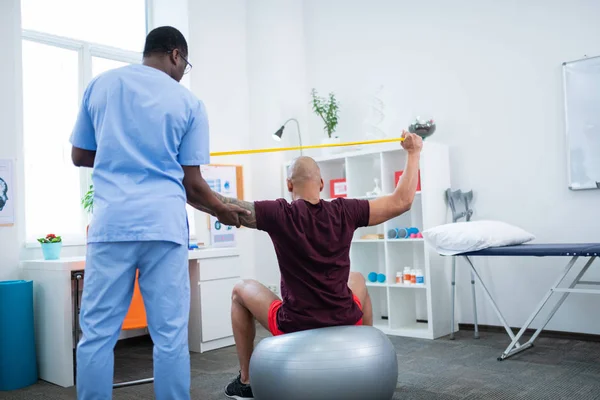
(188, 66)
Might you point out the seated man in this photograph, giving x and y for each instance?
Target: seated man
(312, 241)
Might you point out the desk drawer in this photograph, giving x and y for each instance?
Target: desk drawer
(215, 300)
(219, 268)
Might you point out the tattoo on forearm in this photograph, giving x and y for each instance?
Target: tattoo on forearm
(247, 220)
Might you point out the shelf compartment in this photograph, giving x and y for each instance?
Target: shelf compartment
(366, 258)
(362, 172)
(392, 161)
(400, 256)
(331, 169)
(407, 308)
(379, 302)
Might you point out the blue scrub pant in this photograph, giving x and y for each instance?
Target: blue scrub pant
(107, 291)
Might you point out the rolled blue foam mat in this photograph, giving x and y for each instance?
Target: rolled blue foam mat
(18, 362)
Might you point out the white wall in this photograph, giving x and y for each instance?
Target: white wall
(11, 127)
(490, 73)
(173, 13)
(249, 70)
(217, 42)
(278, 91)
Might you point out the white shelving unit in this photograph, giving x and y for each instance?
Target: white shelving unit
(402, 310)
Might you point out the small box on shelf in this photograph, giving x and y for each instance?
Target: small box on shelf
(369, 233)
(398, 174)
(338, 188)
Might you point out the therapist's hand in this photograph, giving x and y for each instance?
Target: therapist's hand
(230, 214)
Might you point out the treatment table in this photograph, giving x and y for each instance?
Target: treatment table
(573, 251)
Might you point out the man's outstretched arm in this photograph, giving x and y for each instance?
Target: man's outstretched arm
(201, 197)
(248, 220)
(387, 207)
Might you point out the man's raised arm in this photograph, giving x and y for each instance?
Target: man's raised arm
(390, 206)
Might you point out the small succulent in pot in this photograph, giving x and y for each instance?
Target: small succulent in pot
(51, 246)
(50, 238)
(422, 127)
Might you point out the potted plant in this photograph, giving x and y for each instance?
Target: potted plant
(327, 108)
(88, 203)
(51, 246)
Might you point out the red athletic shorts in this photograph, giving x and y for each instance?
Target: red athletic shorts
(276, 304)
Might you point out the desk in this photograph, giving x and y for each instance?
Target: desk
(213, 273)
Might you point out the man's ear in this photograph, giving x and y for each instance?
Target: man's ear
(322, 185)
(290, 186)
(173, 56)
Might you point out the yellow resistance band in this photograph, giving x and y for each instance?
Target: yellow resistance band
(316, 146)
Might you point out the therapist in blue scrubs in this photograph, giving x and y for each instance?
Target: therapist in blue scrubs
(145, 136)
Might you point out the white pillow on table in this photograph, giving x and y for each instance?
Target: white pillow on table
(462, 237)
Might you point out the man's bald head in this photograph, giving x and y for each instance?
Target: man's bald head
(304, 170)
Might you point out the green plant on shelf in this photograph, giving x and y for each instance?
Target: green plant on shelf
(327, 109)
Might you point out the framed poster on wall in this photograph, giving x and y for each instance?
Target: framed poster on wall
(223, 180)
(7, 198)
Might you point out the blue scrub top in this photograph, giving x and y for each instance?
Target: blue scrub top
(143, 126)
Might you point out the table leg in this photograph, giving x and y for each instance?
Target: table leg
(491, 299)
(476, 326)
(453, 289)
(78, 276)
(509, 350)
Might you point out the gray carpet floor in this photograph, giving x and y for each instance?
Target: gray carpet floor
(464, 368)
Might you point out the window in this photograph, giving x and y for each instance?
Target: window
(66, 43)
(115, 23)
(62, 52)
(101, 65)
(52, 184)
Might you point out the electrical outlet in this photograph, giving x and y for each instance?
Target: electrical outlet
(273, 288)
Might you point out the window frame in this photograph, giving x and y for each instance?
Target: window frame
(86, 51)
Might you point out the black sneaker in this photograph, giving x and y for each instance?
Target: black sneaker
(237, 390)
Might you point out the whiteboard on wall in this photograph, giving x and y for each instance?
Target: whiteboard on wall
(581, 81)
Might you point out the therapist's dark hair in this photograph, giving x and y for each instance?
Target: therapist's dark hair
(165, 39)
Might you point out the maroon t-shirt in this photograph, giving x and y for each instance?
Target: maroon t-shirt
(312, 243)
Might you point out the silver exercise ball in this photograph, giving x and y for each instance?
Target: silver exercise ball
(344, 362)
